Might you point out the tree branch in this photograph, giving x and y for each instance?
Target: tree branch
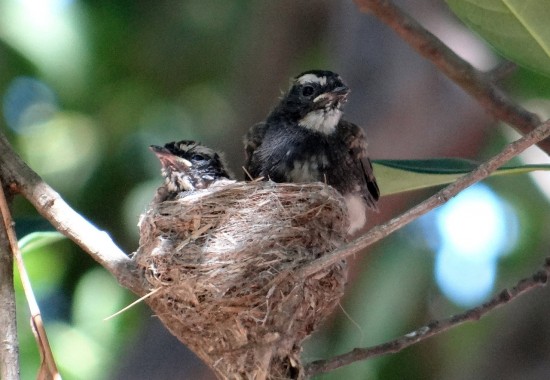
(377, 233)
(537, 280)
(9, 346)
(474, 82)
(20, 178)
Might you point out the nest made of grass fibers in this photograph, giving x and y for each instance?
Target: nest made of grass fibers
(222, 262)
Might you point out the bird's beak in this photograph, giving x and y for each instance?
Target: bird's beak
(335, 96)
(167, 158)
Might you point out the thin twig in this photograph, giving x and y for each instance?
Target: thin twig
(473, 81)
(139, 300)
(537, 280)
(51, 206)
(483, 171)
(48, 366)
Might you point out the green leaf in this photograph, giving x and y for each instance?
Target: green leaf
(37, 240)
(518, 29)
(398, 176)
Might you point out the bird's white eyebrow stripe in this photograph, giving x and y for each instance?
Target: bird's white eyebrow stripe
(312, 78)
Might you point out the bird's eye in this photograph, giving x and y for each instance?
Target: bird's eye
(308, 91)
(198, 157)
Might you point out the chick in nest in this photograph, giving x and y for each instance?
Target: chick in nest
(188, 166)
(304, 139)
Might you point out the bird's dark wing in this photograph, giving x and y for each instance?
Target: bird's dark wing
(372, 186)
(252, 141)
(355, 140)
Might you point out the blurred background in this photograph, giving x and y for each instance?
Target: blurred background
(87, 85)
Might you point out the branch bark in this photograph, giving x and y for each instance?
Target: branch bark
(476, 83)
(539, 279)
(9, 346)
(98, 244)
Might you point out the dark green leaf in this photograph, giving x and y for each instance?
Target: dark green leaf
(398, 176)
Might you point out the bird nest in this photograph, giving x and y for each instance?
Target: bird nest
(222, 263)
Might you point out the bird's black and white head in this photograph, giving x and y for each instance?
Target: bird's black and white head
(187, 166)
(314, 100)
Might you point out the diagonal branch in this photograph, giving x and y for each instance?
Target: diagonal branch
(20, 178)
(537, 280)
(377, 233)
(474, 82)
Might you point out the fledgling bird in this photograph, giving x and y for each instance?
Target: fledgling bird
(304, 139)
(188, 166)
